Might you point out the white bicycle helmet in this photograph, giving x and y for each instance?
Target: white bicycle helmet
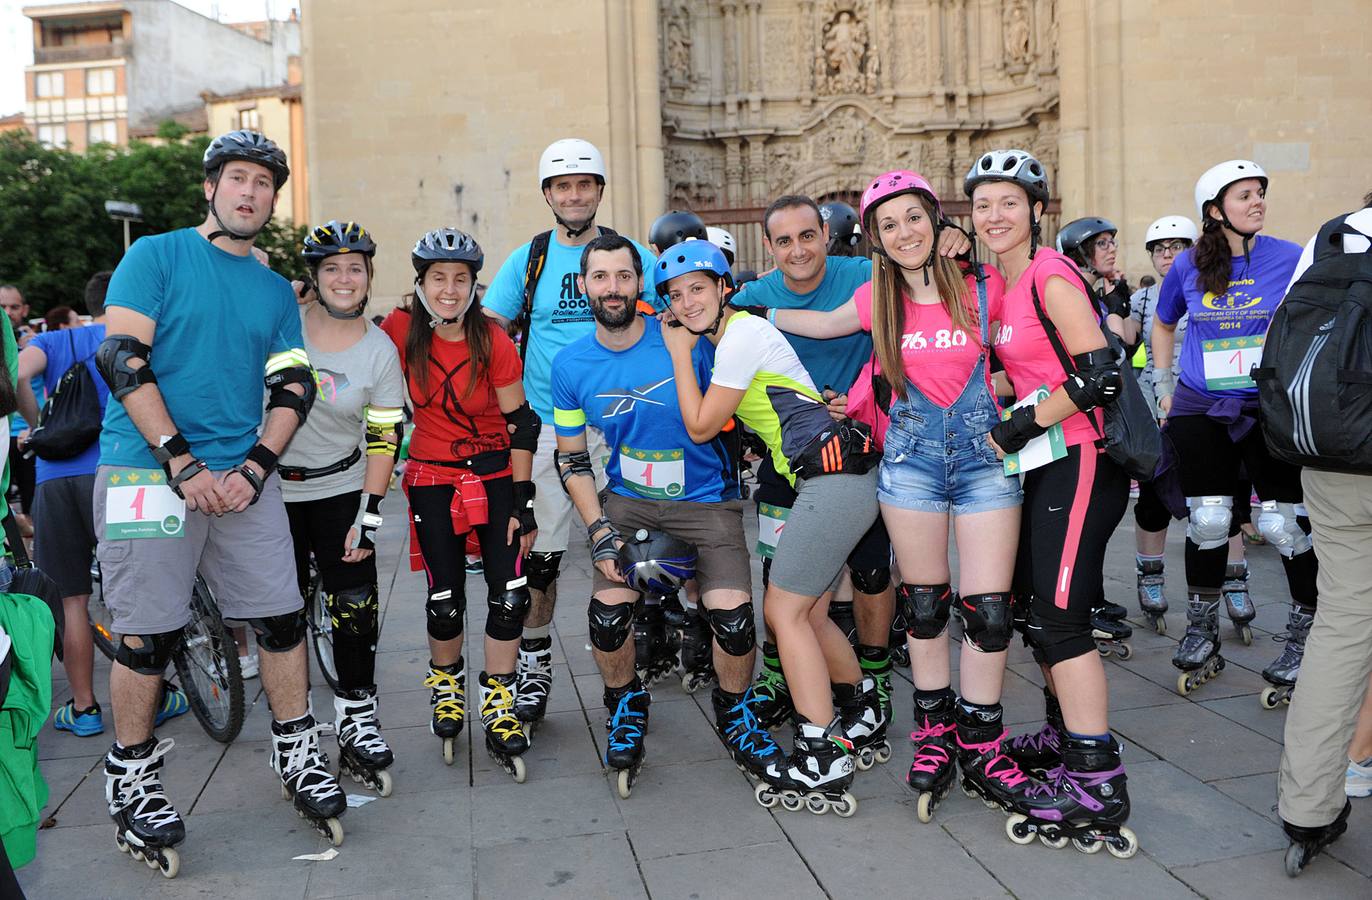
(570, 156)
(1178, 228)
(721, 239)
(1216, 178)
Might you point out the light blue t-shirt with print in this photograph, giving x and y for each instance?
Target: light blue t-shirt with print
(560, 311)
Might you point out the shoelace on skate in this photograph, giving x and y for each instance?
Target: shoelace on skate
(929, 755)
(1059, 781)
(448, 695)
(1046, 738)
(141, 788)
(299, 757)
(746, 732)
(626, 724)
(1009, 773)
(361, 729)
(498, 701)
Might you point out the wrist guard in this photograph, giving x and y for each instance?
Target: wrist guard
(604, 548)
(1014, 433)
(366, 523)
(524, 493)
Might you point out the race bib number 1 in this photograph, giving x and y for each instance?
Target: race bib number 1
(656, 474)
(770, 521)
(1228, 361)
(138, 504)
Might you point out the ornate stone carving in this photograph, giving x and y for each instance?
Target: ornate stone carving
(677, 43)
(1016, 35)
(693, 182)
(846, 61)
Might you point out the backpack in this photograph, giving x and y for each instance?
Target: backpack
(71, 419)
(1315, 377)
(1131, 434)
(533, 270)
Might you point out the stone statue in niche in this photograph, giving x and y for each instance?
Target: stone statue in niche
(1017, 33)
(845, 61)
(678, 44)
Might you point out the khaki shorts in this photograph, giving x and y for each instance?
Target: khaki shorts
(553, 509)
(716, 530)
(246, 558)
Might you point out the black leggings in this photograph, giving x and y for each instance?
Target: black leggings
(1209, 463)
(1151, 514)
(320, 527)
(1071, 507)
(444, 550)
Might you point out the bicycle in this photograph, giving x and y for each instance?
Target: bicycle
(206, 659)
(321, 626)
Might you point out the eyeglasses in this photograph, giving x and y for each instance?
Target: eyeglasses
(1105, 243)
(1169, 248)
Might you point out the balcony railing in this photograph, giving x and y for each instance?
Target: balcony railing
(80, 53)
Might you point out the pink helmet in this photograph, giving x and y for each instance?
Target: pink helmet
(892, 184)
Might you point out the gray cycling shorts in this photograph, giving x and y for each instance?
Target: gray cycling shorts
(246, 559)
(830, 515)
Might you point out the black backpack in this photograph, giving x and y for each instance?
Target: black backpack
(70, 420)
(533, 270)
(1131, 434)
(1315, 378)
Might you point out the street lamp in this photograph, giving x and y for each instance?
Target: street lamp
(123, 211)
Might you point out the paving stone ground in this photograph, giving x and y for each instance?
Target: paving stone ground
(1201, 777)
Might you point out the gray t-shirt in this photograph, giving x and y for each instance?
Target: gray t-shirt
(367, 374)
(1143, 306)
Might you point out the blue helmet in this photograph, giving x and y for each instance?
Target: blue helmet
(688, 256)
(654, 562)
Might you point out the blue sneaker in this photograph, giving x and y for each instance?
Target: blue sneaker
(1358, 779)
(82, 723)
(174, 703)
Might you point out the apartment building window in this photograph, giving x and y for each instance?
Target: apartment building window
(99, 81)
(52, 135)
(104, 131)
(250, 119)
(48, 84)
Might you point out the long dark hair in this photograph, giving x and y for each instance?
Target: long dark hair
(1212, 256)
(476, 330)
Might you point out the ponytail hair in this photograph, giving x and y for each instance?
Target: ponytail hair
(1212, 257)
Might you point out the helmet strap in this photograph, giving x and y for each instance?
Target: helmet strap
(435, 320)
(574, 232)
(714, 326)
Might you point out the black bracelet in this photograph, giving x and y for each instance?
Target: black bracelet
(265, 459)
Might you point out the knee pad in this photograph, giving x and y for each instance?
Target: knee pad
(925, 608)
(505, 610)
(870, 581)
(279, 634)
(1208, 523)
(1054, 641)
(1278, 523)
(541, 569)
(443, 613)
(152, 656)
(610, 625)
(354, 611)
(987, 621)
(734, 629)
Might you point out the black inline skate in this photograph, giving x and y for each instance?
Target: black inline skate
(147, 826)
(900, 650)
(449, 702)
(505, 737)
(624, 730)
(750, 745)
(876, 664)
(1283, 671)
(1038, 751)
(1111, 634)
(535, 682)
(655, 646)
(989, 773)
(1237, 601)
(1198, 654)
(1306, 843)
(697, 652)
(1085, 801)
(841, 614)
(816, 776)
(362, 751)
(864, 722)
(305, 776)
(935, 764)
(1152, 596)
(774, 697)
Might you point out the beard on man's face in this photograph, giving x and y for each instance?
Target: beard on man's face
(615, 320)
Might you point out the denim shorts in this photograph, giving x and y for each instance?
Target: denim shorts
(937, 460)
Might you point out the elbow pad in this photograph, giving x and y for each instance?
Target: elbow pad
(571, 465)
(112, 360)
(280, 395)
(525, 427)
(1096, 381)
(383, 432)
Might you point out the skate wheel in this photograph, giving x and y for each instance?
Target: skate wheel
(1184, 684)
(1295, 860)
(1103, 650)
(846, 806)
(448, 751)
(1088, 846)
(791, 801)
(817, 804)
(285, 794)
(122, 844)
(924, 807)
(1125, 651)
(335, 831)
(1245, 635)
(688, 683)
(384, 783)
(1057, 843)
(883, 754)
(1268, 698)
(150, 861)
(170, 864)
(624, 784)
(765, 796)
(864, 760)
(1160, 625)
(1125, 846)
(1017, 829)
(521, 772)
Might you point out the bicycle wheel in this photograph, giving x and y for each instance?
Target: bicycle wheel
(207, 661)
(102, 627)
(321, 627)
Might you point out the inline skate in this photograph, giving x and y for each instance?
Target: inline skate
(864, 722)
(147, 826)
(1085, 801)
(362, 751)
(535, 681)
(1039, 751)
(935, 764)
(989, 774)
(697, 652)
(449, 702)
(1111, 635)
(305, 778)
(1237, 602)
(876, 664)
(624, 730)
(1306, 843)
(1198, 654)
(750, 745)
(900, 650)
(655, 646)
(774, 704)
(841, 614)
(816, 776)
(505, 737)
(1284, 670)
(1152, 597)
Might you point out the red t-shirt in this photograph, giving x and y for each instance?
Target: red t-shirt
(1023, 347)
(939, 359)
(453, 420)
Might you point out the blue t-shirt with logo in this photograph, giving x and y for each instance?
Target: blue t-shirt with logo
(630, 396)
(1224, 334)
(560, 313)
(62, 349)
(219, 318)
(831, 362)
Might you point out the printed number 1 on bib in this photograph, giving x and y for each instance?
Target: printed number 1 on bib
(656, 474)
(1228, 361)
(138, 504)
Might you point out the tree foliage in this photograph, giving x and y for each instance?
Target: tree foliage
(54, 232)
